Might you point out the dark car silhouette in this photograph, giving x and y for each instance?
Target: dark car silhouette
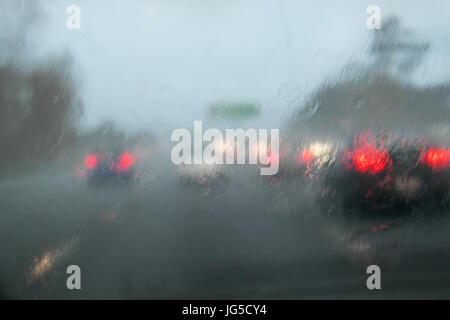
(388, 175)
(109, 169)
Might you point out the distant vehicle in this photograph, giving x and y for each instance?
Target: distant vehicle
(100, 169)
(387, 175)
(210, 179)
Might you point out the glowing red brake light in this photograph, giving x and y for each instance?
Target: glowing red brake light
(437, 158)
(369, 155)
(124, 162)
(307, 155)
(369, 159)
(91, 161)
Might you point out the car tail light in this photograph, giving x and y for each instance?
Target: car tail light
(437, 159)
(307, 155)
(368, 155)
(316, 151)
(124, 162)
(370, 159)
(91, 161)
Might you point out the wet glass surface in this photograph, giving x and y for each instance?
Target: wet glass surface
(86, 176)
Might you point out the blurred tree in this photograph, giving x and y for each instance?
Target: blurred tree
(39, 103)
(394, 48)
(378, 94)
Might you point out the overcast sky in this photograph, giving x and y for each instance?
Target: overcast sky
(159, 63)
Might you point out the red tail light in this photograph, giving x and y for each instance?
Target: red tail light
(370, 159)
(91, 161)
(307, 156)
(368, 156)
(124, 162)
(437, 158)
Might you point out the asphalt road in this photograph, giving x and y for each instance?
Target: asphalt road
(246, 239)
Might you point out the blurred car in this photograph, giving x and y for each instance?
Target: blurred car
(208, 179)
(112, 168)
(381, 173)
